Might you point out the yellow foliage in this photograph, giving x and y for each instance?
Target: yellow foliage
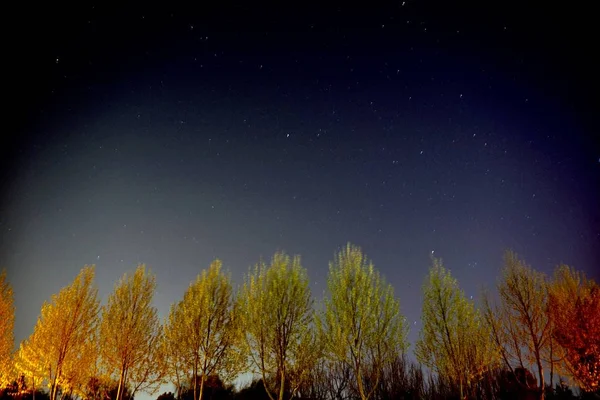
(362, 326)
(454, 340)
(200, 330)
(7, 322)
(64, 331)
(274, 309)
(519, 324)
(131, 335)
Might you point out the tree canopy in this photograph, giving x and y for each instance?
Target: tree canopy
(7, 324)
(274, 308)
(351, 346)
(454, 340)
(362, 326)
(130, 334)
(201, 330)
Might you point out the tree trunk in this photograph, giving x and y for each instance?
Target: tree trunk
(282, 384)
(195, 378)
(53, 392)
(201, 387)
(120, 387)
(551, 364)
(542, 381)
(178, 390)
(361, 389)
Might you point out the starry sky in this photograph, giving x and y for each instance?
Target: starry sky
(177, 134)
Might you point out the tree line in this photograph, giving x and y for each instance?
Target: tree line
(352, 346)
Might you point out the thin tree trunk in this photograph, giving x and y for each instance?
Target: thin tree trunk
(361, 389)
(201, 387)
(178, 391)
(195, 372)
(542, 382)
(281, 384)
(125, 384)
(53, 393)
(551, 364)
(120, 387)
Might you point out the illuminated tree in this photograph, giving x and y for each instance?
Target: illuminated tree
(362, 326)
(31, 361)
(574, 309)
(78, 370)
(7, 322)
(274, 308)
(131, 335)
(454, 340)
(201, 327)
(63, 331)
(519, 323)
(174, 356)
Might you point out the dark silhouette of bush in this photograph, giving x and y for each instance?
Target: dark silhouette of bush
(520, 384)
(25, 395)
(254, 391)
(214, 389)
(166, 396)
(561, 391)
(18, 391)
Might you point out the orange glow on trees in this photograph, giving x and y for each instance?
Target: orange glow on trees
(574, 308)
(7, 322)
(62, 334)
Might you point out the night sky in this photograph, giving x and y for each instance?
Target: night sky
(175, 135)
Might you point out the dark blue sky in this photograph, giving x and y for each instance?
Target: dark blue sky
(175, 135)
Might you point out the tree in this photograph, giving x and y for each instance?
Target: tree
(78, 369)
(7, 322)
(574, 309)
(174, 356)
(130, 334)
(454, 340)
(275, 312)
(519, 323)
(175, 359)
(64, 329)
(202, 327)
(30, 360)
(361, 326)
